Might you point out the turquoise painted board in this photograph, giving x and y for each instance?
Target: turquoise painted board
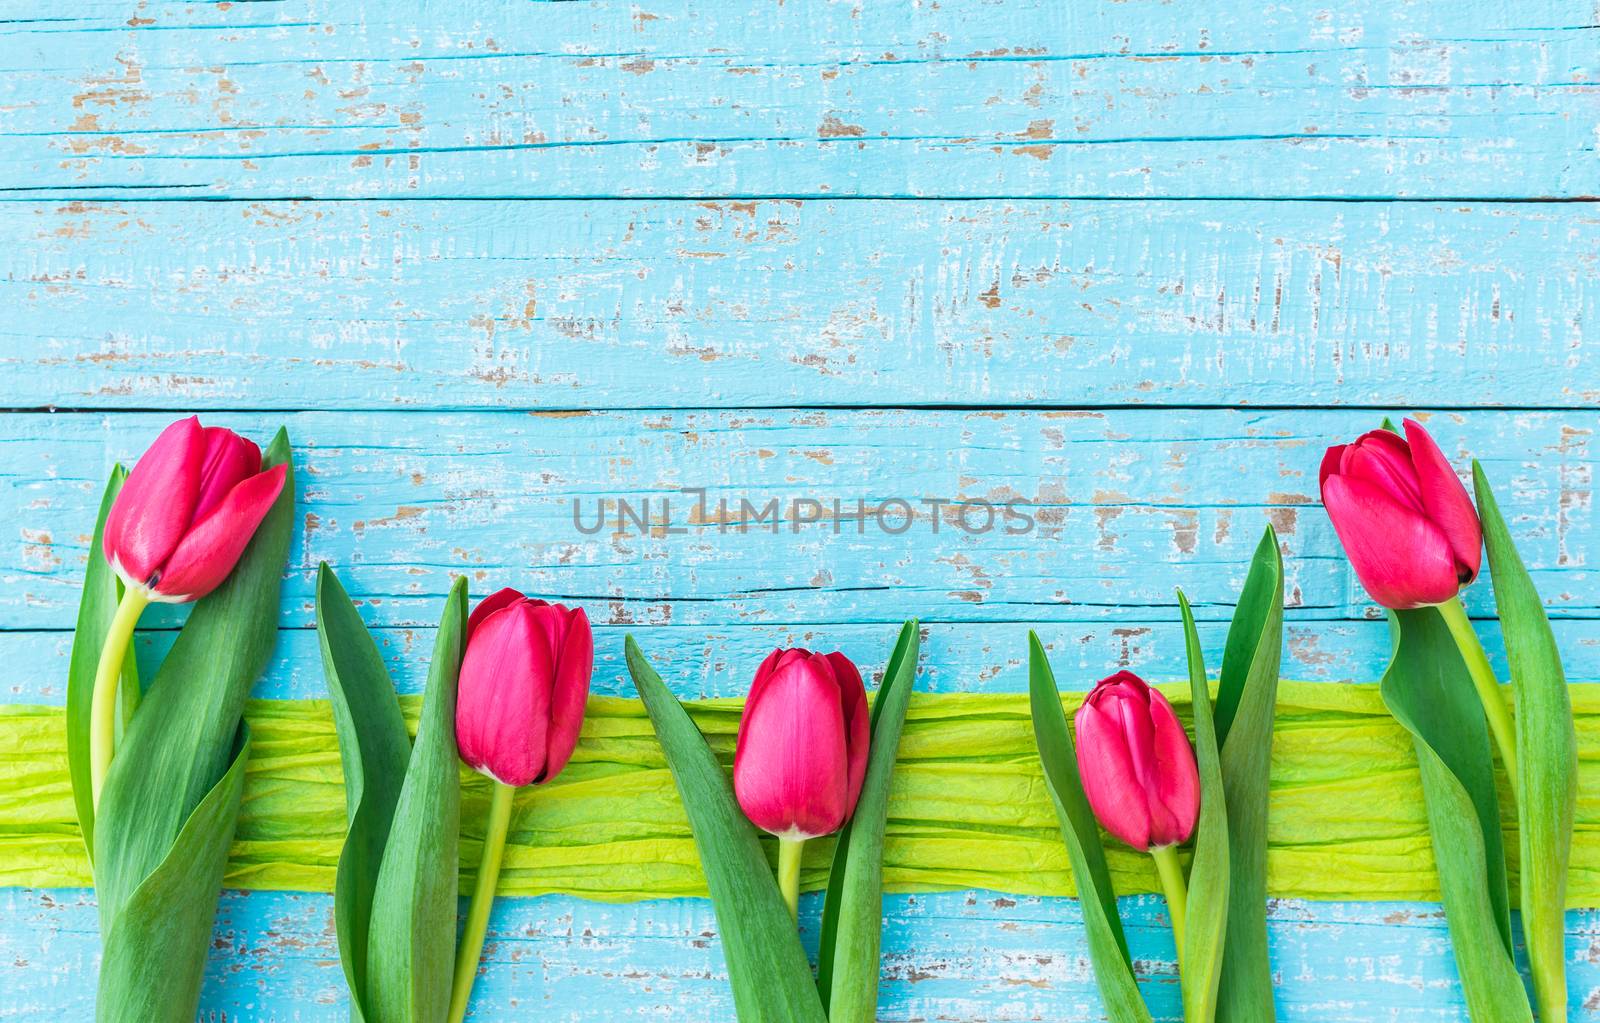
(1125, 504)
(1101, 257)
(1414, 100)
(581, 305)
(951, 956)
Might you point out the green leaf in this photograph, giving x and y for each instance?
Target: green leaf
(1428, 691)
(412, 935)
(170, 800)
(1548, 761)
(373, 750)
(154, 957)
(767, 966)
(852, 915)
(101, 592)
(1207, 922)
(1246, 700)
(1108, 946)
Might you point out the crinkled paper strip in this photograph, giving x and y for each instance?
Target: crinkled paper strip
(968, 809)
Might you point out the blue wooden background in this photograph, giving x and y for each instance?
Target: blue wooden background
(1135, 262)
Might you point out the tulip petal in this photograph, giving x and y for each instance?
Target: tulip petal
(1382, 458)
(1402, 559)
(212, 546)
(489, 605)
(552, 622)
(768, 663)
(1109, 780)
(790, 770)
(156, 504)
(1445, 498)
(1176, 785)
(1332, 459)
(1132, 708)
(763, 677)
(1384, 443)
(503, 697)
(229, 460)
(857, 724)
(1124, 679)
(574, 668)
(790, 656)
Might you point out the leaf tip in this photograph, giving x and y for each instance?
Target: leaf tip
(637, 664)
(1480, 479)
(277, 450)
(1035, 645)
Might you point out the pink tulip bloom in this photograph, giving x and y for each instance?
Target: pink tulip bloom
(1137, 765)
(187, 511)
(802, 751)
(1406, 522)
(524, 682)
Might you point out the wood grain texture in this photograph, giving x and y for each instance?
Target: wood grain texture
(1126, 504)
(666, 286)
(575, 305)
(974, 956)
(693, 98)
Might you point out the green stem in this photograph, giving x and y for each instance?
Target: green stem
(1489, 692)
(789, 872)
(1171, 871)
(103, 705)
(471, 947)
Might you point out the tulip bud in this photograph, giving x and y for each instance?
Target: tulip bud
(524, 681)
(1137, 765)
(519, 707)
(187, 511)
(802, 748)
(1406, 522)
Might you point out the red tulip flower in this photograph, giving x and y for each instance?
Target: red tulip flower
(187, 511)
(1137, 765)
(1140, 776)
(802, 752)
(1405, 520)
(176, 529)
(519, 707)
(1413, 536)
(524, 682)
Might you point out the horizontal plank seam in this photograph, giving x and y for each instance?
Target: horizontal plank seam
(111, 193)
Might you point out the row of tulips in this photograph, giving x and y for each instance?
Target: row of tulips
(157, 769)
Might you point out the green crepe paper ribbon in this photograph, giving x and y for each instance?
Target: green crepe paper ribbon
(968, 805)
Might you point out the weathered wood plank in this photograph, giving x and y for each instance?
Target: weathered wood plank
(975, 956)
(701, 662)
(647, 304)
(738, 304)
(688, 97)
(1126, 504)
